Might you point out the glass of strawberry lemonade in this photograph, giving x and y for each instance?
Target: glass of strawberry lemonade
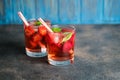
(60, 45)
(35, 35)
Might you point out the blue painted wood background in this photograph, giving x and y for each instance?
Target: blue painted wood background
(62, 11)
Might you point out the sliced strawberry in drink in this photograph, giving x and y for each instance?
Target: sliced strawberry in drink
(72, 39)
(41, 44)
(33, 44)
(67, 47)
(55, 49)
(42, 30)
(71, 51)
(36, 37)
(29, 31)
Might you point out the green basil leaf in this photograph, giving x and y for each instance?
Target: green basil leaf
(56, 29)
(37, 23)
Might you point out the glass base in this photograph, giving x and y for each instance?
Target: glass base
(36, 54)
(60, 63)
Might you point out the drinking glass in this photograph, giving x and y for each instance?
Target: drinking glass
(60, 45)
(35, 34)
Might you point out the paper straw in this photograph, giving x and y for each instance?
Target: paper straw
(41, 20)
(23, 18)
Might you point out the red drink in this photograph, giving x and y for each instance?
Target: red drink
(35, 42)
(61, 46)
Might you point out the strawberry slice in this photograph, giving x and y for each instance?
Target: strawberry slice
(36, 37)
(67, 47)
(42, 30)
(32, 44)
(29, 31)
(71, 51)
(41, 44)
(72, 39)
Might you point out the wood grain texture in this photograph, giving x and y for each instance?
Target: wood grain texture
(61, 11)
(112, 11)
(1, 11)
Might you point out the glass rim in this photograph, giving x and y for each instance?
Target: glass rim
(65, 26)
(34, 19)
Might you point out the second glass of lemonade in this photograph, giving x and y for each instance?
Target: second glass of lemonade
(60, 45)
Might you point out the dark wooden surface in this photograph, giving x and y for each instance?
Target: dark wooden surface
(97, 56)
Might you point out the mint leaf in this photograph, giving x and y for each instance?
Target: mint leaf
(37, 23)
(67, 35)
(56, 29)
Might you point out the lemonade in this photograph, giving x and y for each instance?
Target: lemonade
(35, 35)
(60, 45)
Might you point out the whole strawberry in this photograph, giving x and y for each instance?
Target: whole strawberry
(67, 47)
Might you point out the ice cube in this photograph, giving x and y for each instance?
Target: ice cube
(56, 39)
(43, 50)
